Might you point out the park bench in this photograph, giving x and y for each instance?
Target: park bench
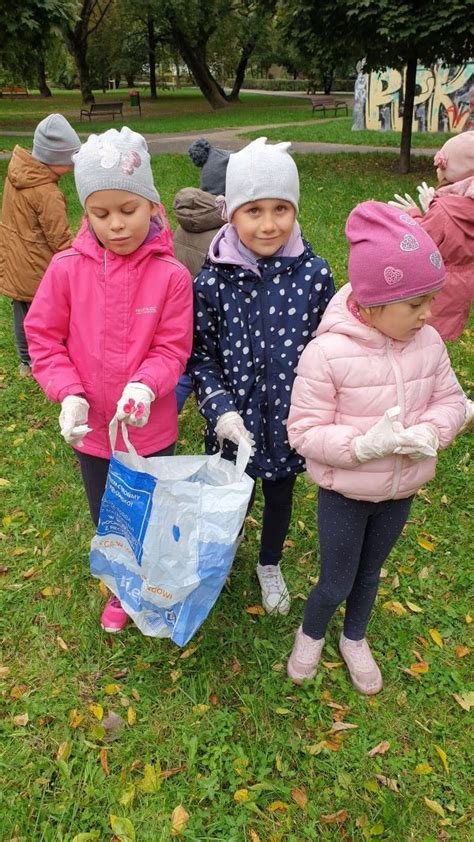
(13, 90)
(321, 103)
(109, 109)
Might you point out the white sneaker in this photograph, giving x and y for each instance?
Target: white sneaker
(304, 659)
(275, 596)
(364, 672)
(24, 370)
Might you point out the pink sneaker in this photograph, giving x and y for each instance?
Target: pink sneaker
(364, 672)
(304, 659)
(113, 618)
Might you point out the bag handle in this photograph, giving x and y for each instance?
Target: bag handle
(113, 429)
(244, 452)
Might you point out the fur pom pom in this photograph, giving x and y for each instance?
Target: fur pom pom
(199, 151)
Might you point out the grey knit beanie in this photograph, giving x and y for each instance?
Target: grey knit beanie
(214, 165)
(261, 171)
(55, 141)
(114, 161)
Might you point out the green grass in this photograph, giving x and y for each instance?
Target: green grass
(339, 131)
(171, 112)
(225, 719)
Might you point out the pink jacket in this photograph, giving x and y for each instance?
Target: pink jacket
(450, 223)
(348, 376)
(99, 321)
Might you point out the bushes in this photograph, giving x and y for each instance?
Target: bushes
(293, 84)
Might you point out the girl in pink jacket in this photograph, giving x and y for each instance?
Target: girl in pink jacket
(110, 328)
(449, 220)
(374, 399)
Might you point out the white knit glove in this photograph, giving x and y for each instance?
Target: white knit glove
(406, 203)
(419, 442)
(73, 419)
(425, 195)
(134, 405)
(230, 426)
(381, 440)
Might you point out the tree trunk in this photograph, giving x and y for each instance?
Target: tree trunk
(130, 80)
(240, 71)
(193, 57)
(41, 74)
(408, 104)
(77, 46)
(152, 56)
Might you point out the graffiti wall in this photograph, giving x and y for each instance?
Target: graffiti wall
(442, 102)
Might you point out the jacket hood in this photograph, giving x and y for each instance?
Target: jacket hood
(338, 319)
(25, 172)
(224, 248)
(196, 210)
(86, 243)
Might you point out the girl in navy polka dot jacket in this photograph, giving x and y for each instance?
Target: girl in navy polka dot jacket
(258, 301)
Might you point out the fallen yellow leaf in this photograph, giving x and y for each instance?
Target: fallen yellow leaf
(64, 750)
(466, 700)
(97, 711)
(62, 644)
(75, 718)
(21, 719)
(415, 608)
(461, 651)
(241, 795)
(427, 545)
(131, 715)
(436, 637)
(423, 769)
(278, 807)
(187, 654)
(112, 689)
(256, 610)
(332, 665)
(443, 757)
(179, 820)
(103, 761)
(420, 667)
(254, 837)
(395, 608)
(200, 709)
(434, 805)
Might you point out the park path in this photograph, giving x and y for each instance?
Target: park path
(165, 144)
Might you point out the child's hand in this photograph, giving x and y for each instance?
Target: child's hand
(381, 440)
(230, 426)
(406, 203)
(419, 442)
(134, 405)
(73, 419)
(425, 195)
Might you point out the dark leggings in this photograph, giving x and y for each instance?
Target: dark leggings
(20, 309)
(355, 538)
(94, 472)
(278, 496)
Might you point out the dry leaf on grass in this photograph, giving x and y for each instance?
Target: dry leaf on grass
(112, 725)
(179, 820)
(335, 818)
(435, 806)
(436, 637)
(381, 748)
(391, 783)
(255, 610)
(299, 797)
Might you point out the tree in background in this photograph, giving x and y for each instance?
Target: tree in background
(27, 30)
(77, 32)
(389, 34)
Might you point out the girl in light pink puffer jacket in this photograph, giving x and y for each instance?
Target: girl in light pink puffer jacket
(374, 399)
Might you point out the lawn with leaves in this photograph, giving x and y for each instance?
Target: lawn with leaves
(339, 131)
(128, 738)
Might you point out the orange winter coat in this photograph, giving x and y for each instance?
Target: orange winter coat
(33, 225)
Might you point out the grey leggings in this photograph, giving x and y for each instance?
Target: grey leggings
(20, 309)
(355, 538)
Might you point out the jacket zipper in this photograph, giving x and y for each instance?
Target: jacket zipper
(401, 403)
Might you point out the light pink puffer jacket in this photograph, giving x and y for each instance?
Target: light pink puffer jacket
(99, 321)
(348, 376)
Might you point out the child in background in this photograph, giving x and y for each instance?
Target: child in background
(199, 219)
(110, 328)
(374, 399)
(34, 223)
(449, 220)
(258, 300)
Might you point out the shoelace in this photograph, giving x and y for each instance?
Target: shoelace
(360, 654)
(273, 581)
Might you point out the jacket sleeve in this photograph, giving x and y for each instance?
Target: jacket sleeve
(312, 430)
(47, 329)
(435, 222)
(171, 346)
(204, 366)
(322, 292)
(52, 216)
(446, 408)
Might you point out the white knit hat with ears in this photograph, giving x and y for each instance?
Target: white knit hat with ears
(261, 171)
(114, 161)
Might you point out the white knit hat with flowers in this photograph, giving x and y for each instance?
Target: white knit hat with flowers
(114, 161)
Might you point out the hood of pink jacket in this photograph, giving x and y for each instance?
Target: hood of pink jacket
(348, 376)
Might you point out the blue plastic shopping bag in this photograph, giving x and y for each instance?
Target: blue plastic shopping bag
(167, 535)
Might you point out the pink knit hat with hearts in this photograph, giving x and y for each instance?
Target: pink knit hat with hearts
(391, 257)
